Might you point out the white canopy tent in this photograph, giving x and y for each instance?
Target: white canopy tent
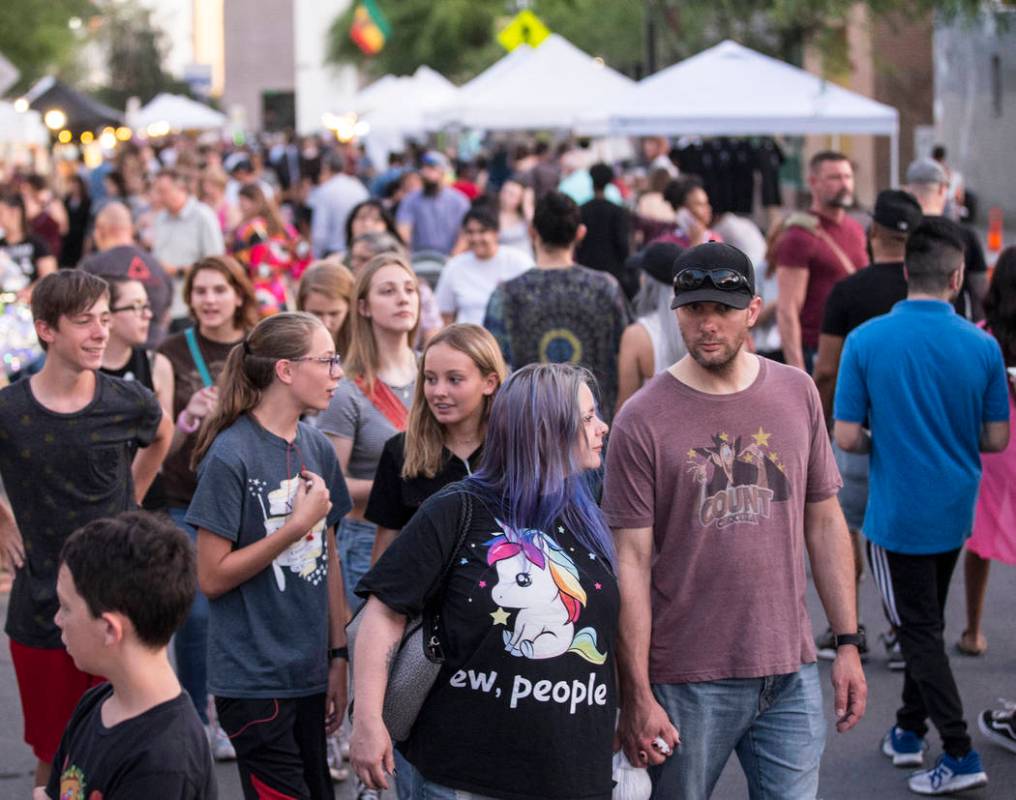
(731, 90)
(547, 88)
(21, 127)
(179, 112)
(396, 107)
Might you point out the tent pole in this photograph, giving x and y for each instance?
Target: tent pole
(894, 158)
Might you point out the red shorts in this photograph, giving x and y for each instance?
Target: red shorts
(50, 687)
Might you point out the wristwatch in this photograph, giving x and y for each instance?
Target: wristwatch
(856, 639)
(338, 652)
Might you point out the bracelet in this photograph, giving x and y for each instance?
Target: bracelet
(184, 426)
(338, 652)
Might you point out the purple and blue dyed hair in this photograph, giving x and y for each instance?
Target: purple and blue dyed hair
(529, 474)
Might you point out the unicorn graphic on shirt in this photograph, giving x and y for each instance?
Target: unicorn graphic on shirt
(536, 576)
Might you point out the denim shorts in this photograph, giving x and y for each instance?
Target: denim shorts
(774, 724)
(854, 492)
(356, 542)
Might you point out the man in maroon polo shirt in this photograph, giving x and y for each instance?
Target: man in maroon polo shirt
(815, 251)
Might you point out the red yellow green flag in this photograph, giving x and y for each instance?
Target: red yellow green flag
(370, 29)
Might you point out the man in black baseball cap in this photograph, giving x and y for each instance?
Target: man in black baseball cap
(866, 294)
(738, 442)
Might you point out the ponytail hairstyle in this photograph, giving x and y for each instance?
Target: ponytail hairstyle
(528, 475)
(333, 280)
(250, 369)
(363, 359)
(424, 434)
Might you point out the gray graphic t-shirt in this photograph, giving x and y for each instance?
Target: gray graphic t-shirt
(268, 637)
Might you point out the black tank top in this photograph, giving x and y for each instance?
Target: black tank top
(138, 368)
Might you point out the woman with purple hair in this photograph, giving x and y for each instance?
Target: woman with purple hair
(525, 703)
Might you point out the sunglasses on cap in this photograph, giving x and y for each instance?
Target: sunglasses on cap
(728, 280)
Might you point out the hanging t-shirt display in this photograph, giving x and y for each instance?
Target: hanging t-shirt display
(525, 704)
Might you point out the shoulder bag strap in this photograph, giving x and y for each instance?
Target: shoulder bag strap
(848, 265)
(199, 360)
(435, 651)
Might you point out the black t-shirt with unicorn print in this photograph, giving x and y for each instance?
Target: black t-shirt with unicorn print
(525, 704)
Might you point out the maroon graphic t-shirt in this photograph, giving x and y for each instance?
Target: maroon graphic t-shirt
(723, 481)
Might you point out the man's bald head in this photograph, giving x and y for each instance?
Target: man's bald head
(114, 226)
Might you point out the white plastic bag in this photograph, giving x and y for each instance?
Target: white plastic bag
(630, 783)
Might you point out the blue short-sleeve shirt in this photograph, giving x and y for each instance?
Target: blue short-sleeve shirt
(927, 380)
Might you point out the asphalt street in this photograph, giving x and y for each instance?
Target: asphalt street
(852, 768)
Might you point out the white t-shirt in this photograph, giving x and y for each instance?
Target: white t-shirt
(466, 282)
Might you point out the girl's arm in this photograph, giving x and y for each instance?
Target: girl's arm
(382, 540)
(162, 377)
(359, 488)
(221, 568)
(370, 746)
(338, 616)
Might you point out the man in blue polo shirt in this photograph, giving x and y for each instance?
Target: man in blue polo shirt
(933, 388)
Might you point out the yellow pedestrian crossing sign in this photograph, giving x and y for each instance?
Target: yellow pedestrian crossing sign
(525, 28)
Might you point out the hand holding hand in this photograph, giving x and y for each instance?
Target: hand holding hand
(646, 733)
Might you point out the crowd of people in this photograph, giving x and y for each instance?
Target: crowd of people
(385, 394)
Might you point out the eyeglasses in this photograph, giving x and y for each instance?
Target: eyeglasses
(334, 363)
(138, 308)
(725, 279)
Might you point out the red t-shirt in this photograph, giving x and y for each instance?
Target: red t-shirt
(800, 249)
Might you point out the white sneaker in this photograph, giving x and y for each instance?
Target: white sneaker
(363, 793)
(222, 748)
(950, 775)
(336, 766)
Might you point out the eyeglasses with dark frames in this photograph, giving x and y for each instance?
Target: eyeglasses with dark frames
(138, 308)
(334, 362)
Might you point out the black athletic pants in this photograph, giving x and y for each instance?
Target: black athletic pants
(280, 746)
(914, 590)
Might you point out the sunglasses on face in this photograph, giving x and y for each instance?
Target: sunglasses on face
(725, 279)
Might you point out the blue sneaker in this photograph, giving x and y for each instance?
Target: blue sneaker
(905, 748)
(950, 775)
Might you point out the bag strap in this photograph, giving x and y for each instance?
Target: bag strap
(433, 647)
(385, 401)
(844, 259)
(199, 360)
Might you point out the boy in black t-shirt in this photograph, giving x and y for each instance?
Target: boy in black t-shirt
(75, 445)
(125, 585)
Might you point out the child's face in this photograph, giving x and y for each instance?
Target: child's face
(79, 339)
(82, 634)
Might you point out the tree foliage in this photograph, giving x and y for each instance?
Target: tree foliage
(135, 54)
(457, 37)
(36, 38)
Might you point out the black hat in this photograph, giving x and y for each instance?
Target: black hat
(897, 211)
(712, 257)
(657, 259)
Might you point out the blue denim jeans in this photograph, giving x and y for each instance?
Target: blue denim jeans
(190, 644)
(774, 724)
(428, 790)
(356, 541)
(854, 492)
